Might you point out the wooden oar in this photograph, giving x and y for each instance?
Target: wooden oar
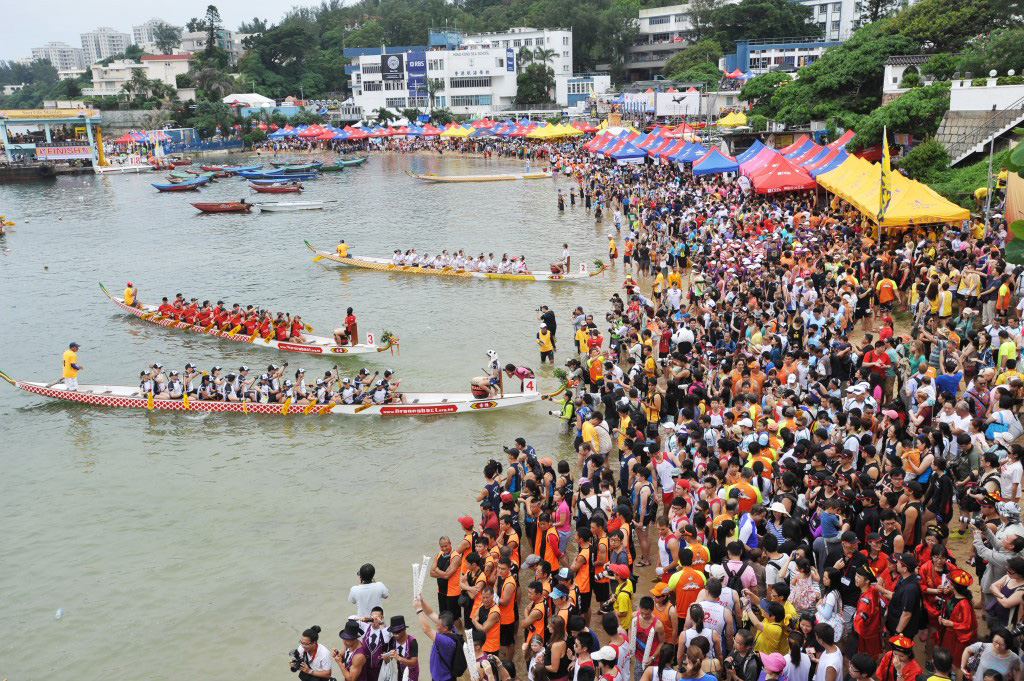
(233, 331)
(362, 407)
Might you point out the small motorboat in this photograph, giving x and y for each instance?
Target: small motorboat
(277, 175)
(288, 206)
(224, 207)
(294, 164)
(332, 167)
(184, 186)
(277, 188)
(354, 161)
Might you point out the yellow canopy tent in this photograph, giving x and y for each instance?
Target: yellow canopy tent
(740, 118)
(457, 131)
(727, 121)
(569, 131)
(858, 182)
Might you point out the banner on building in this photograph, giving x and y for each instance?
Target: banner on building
(510, 60)
(62, 151)
(391, 67)
(677, 104)
(416, 70)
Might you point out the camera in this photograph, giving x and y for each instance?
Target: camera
(1017, 629)
(976, 520)
(727, 663)
(296, 661)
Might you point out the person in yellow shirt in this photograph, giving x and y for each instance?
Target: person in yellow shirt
(659, 284)
(70, 367)
(131, 296)
(674, 277)
(613, 249)
(342, 249)
(547, 348)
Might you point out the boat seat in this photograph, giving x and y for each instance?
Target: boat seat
(416, 400)
(444, 400)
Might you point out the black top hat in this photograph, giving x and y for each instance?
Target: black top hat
(351, 631)
(397, 624)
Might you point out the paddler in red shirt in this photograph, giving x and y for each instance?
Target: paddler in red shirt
(250, 323)
(265, 326)
(296, 331)
(179, 309)
(351, 326)
(232, 320)
(205, 314)
(280, 328)
(166, 309)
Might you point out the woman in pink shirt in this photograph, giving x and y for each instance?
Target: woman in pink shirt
(562, 521)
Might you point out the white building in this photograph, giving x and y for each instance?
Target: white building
(229, 41)
(104, 42)
(110, 79)
(143, 34)
(558, 40)
(70, 74)
(11, 89)
(61, 55)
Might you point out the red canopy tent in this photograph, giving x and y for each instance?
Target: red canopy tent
(735, 74)
(656, 149)
(807, 155)
(125, 139)
(430, 131)
(781, 175)
(691, 89)
(674, 148)
(842, 141)
(312, 131)
(671, 91)
(273, 127)
(679, 130)
(327, 136)
(824, 160)
(356, 133)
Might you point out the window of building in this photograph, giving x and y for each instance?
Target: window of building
(394, 85)
(565, 68)
(373, 86)
(517, 42)
(837, 7)
(565, 40)
(822, 9)
(465, 83)
(471, 100)
(370, 68)
(655, 21)
(395, 102)
(528, 41)
(440, 101)
(499, 62)
(419, 101)
(565, 53)
(835, 26)
(728, 101)
(435, 64)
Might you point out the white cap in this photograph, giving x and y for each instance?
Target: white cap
(606, 653)
(745, 423)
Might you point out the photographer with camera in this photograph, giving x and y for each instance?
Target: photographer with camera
(311, 660)
(743, 664)
(995, 551)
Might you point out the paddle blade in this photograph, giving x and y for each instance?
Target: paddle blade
(252, 338)
(149, 401)
(309, 408)
(287, 404)
(245, 407)
(362, 407)
(184, 400)
(318, 258)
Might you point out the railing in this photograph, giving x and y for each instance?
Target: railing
(787, 41)
(202, 146)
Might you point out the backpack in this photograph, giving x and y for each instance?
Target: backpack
(734, 582)
(457, 666)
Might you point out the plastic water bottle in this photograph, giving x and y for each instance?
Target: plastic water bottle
(60, 613)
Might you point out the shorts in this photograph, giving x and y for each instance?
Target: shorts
(71, 383)
(585, 601)
(885, 307)
(602, 591)
(448, 604)
(547, 354)
(667, 497)
(626, 259)
(507, 634)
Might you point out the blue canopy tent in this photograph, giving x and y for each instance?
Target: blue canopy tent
(831, 165)
(801, 150)
(278, 134)
(690, 153)
(414, 131)
(610, 143)
(715, 162)
(629, 154)
(750, 153)
(817, 157)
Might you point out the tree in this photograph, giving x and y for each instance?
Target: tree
(166, 37)
(212, 83)
(410, 114)
(701, 13)
(763, 86)
(706, 51)
(751, 19)
(910, 79)
(209, 116)
(441, 116)
(873, 10)
(941, 66)
(137, 85)
(523, 57)
(434, 85)
(925, 162)
(544, 55)
(384, 115)
(212, 24)
(703, 72)
(195, 25)
(1000, 50)
(918, 111)
(256, 25)
(534, 84)
(948, 25)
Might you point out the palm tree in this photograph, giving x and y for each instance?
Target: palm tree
(138, 85)
(434, 85)
(212, 81)
(525, 55)
(544, 55)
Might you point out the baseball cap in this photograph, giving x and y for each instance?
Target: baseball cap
(848, 537)
(608, 654)
(466, 522)
(773, 662)
(907, 559)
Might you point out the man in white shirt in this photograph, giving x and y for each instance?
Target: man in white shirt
(368, 594)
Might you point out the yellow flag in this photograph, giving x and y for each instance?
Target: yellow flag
(885, 190)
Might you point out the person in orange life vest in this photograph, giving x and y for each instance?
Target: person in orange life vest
(687, 583)
(446, 571)
(535, 621)
(867, 621)
(471, 583)
(899, 664)
(486, 618)
(545, 543)
(581, 570)
(958, 621)
(598, 558)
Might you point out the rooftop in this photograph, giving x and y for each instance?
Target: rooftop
(907, 59)
(166, 57)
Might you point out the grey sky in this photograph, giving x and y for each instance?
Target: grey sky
(65, 21)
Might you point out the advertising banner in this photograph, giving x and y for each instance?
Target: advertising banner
(391, 66)
(510, 60)
(677, 104)
(416, 68)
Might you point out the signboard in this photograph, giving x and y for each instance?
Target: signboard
(510, 60)
(416, 69)
(677, 104)
(48, 113)
(61, 151)
(391, 66)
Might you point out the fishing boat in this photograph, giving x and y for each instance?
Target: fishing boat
(176, 162)
(277, 188)
(287, 206)
(230, 169)
(316, 345)
(275, 175)
(354, 161)
(303, 168)
(430, 177)
(184, 186)
(385, 265)
(295, 164)
(332, 167)
(417, 404)
(224, 207)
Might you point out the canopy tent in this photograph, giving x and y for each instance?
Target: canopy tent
(597, 141)
(732, 120)
(430, 131)
(781, 175)
(691, 89)
(715, 162)
(628, 154)
(680, 130)
(672, 150)
(857, 181)
(831, 164)
(125, 139)
(807, 144)
(809, 161)
(691, 153)
(752, 151)
(610, 143)
(842, 141)
(754, 165)
(806, 154)
(312, 131)
(655, 149)
(652, 141)
(736, 73)
(681, 155)
(798, 143)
